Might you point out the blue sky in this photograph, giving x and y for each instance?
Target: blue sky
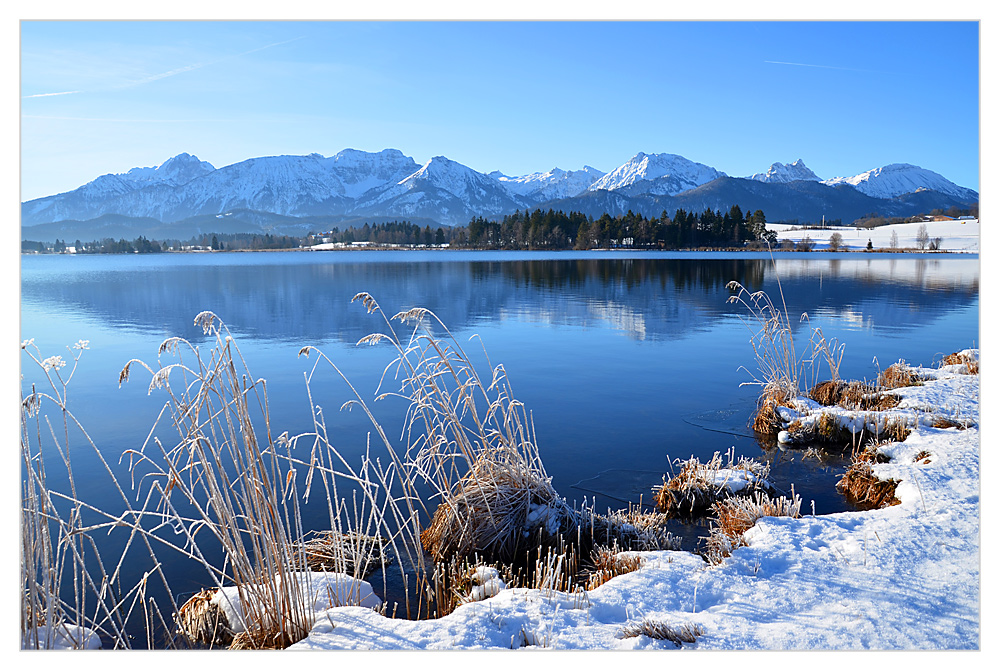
(520, 97)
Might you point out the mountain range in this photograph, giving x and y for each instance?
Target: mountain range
(186, 196)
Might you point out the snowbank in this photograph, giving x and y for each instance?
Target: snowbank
(904, 577)
(329, 590)
(956, 236)
(61, 637)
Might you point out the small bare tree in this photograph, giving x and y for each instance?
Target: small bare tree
(836, 242)
(894, 240)
(922, 236)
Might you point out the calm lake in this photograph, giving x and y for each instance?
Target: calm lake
(626, 361)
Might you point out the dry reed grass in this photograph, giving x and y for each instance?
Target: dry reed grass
(939, 422)
(736, 515)
(899, 374)
(609, 562)
(866, 491)
(696, 486)
(351, 553)
(70, 595)
(202, 621)
(970, 362)
(781, 371)
(230, 475)
(678, 635)
(853, 395)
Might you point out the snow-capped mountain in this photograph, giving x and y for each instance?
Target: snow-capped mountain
(897, 179)
(786, 172)
(657, 174)
(89, 200)
(444, 190)
(178, 170)
(551, 185)
(353, 184)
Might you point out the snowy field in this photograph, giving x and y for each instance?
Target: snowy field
(956, 236)
(903, 577)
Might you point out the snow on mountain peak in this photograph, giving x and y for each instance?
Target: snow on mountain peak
(551, 185)
(175, 171)
(659, 174)
(786, 172)
(897, 179)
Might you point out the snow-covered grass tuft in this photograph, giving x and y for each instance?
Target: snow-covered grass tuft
(609, 562)
(734, 516)
(697, 485)
(676, 634)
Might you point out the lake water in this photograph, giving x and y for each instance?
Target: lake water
(626, 360)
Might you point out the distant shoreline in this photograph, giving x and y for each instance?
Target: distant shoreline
(700, 250)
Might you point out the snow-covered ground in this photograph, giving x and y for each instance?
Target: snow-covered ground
(956, 236)
(903, 577)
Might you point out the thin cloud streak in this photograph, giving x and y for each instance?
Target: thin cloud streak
(46, 95)
(197, 66)
(101, 119)
(169, 73)
(830, 67)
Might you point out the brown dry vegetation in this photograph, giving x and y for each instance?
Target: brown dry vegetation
(860, 485)
(687, 633)
(827, 429)
(352, 553)
(766, 420)
(201, 621)
(945, 423)
(971, 363)
(692, 491)
(854, 395)
(608, 562)
(899, 375)
(734, 516)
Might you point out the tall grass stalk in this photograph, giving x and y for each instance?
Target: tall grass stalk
(226, 479)
(68, 597)
(782, 372)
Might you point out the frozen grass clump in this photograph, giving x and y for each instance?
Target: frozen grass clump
(853, 395)
(968, 358)
(861, 486)
(845, 430)
(898, 375)
(736, 515)
(697, 486)
(678, 635)
(608, 562)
